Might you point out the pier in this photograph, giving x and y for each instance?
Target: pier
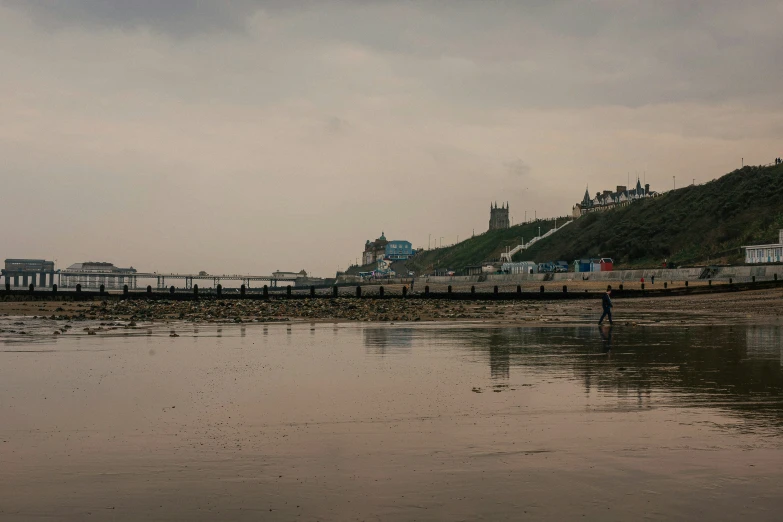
(91, 279)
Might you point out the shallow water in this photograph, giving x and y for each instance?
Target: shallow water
(393, 422)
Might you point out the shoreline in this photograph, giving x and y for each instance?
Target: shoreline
(749, 307)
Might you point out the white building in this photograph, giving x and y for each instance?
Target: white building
(765, 253)
(92, 274)
(521, 267)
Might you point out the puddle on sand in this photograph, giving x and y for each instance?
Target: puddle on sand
(424, 422)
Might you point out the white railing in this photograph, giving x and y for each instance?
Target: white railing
(506, 256)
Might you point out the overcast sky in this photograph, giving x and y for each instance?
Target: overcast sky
(242, 136)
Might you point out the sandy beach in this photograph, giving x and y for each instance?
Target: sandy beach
(762, 306)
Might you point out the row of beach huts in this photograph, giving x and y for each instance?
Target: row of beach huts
(603, 264)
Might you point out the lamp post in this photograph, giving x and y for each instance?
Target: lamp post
(674, 183)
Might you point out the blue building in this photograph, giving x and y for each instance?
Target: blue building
(398, 250)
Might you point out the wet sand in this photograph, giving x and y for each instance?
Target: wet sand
(720, 308)
(304, 410)
(436, 421)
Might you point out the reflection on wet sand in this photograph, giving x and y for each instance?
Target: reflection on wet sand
(425, 422)
(387, 340)
(738, 368)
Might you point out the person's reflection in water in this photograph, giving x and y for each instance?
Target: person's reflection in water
(606, 338)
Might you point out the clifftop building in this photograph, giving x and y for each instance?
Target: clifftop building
(498, 217)
(607, 199)
(374, 250)
(381, 248)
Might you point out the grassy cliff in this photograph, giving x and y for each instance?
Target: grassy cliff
(693, 225)
(484, 247)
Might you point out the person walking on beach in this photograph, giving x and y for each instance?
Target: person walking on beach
(606, 303)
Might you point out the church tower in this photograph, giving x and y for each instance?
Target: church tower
(498, 216)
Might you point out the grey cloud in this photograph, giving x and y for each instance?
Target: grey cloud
(176, 17)
(518, 168)
(336, 125)
(500, 54)
(206, 116)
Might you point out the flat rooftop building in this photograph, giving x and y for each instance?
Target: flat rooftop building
(28, 271)
(772, 253)
(93, 274)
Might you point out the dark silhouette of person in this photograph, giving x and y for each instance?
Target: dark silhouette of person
(652, 279)
(606, 303)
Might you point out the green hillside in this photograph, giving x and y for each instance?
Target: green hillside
(484, 247)
(693, 225)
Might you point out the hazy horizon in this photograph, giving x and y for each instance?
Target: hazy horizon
(250, 136)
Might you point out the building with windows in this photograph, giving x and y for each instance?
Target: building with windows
(398, 250)
(519, 267)
(374, 250)
(773, 253)
(608, 200)
(28, 271)
(381, 248)
(93, 274)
